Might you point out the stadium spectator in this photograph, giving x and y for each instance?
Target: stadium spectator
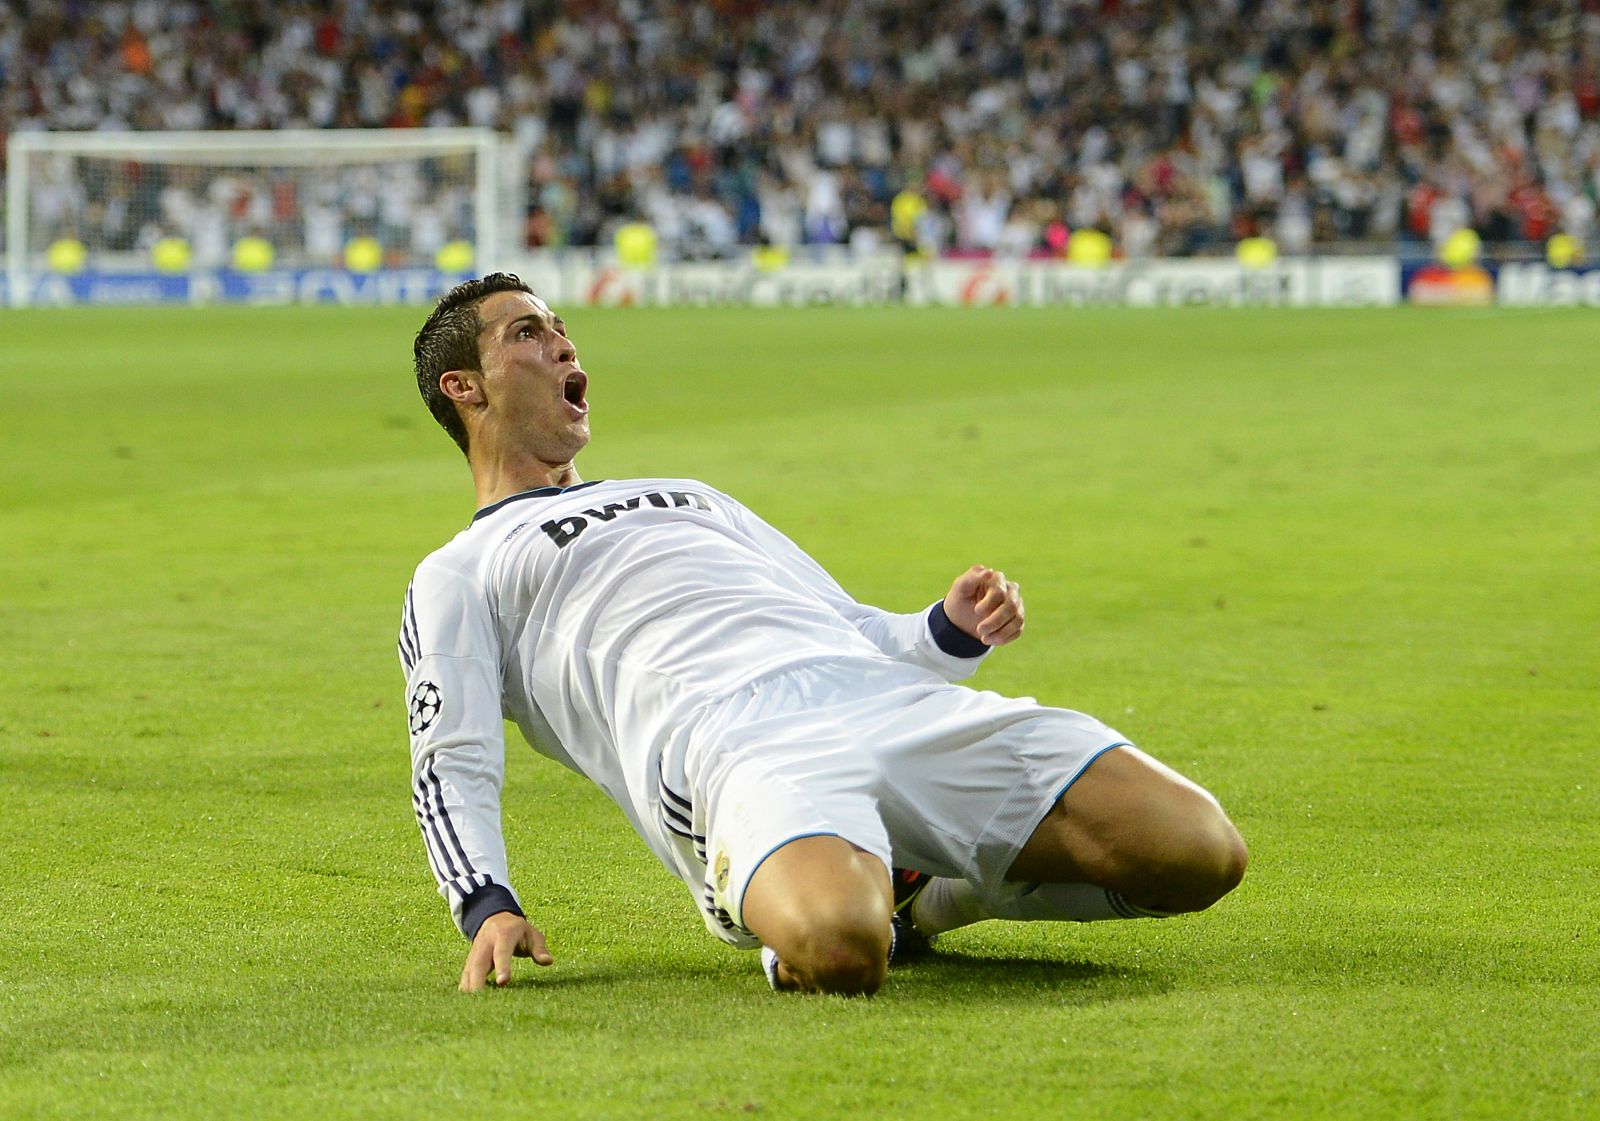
(1173, 125)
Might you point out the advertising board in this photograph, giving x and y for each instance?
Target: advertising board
(581, 281)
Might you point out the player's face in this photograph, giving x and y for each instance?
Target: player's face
(536, 392)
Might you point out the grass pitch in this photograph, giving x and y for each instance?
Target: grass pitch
(1340, 567)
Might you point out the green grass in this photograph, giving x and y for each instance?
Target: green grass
(1340, 567)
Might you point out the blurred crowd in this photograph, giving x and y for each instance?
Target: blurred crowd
(966, 126)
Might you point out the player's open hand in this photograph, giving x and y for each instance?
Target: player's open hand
(987, 606)
(502, 937)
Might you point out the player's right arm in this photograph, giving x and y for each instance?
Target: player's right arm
(503, 936)
(450, 652)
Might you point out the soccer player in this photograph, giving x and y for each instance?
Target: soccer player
(801, 761)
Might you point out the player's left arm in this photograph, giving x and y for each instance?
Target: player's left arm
(986, 606)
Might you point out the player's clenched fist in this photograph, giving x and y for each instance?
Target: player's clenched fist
(502, 937)
(987, 606)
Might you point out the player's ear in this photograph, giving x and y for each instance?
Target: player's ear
(464, 387)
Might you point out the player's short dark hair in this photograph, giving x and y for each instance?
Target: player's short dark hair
(449, 341)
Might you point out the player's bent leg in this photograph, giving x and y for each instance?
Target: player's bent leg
(824, 906)
(1135, 826)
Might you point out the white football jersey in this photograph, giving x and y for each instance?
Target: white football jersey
(602, 618)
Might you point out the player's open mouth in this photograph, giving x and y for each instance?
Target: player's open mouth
(574, 388)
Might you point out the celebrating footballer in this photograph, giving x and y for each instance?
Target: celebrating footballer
(804, 763)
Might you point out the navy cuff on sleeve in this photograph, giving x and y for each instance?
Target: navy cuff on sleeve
(488, 900)
(951, 638)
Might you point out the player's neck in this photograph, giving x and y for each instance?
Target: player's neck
(497, 479)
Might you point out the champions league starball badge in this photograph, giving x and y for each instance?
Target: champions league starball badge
(425, 705)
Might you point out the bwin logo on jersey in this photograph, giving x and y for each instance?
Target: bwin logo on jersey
(564, 531)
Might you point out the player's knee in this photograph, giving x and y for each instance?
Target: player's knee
(845, 953)
(848, 969)
(1210, 864)
(1222, 859)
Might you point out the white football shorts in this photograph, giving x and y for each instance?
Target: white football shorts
(920, 773)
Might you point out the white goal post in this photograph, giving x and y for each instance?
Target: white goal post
(183, 202)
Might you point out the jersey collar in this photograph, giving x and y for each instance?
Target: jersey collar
(538, 492)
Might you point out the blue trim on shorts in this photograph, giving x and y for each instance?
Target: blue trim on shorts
(757, 866)
(1062, 792)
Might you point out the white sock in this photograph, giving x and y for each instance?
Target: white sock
(947, 904)
(1067, 903)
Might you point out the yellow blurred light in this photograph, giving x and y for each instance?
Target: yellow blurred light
(770, 258)
(1088, 248)
(66, 256)
(635, 244)
(1563, 251)
(1256, 252)
(1461, 248)
(363, 254)
(253, 254)
(171, 255)
(454, 257)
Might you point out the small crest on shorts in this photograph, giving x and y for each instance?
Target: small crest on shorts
(719, 872)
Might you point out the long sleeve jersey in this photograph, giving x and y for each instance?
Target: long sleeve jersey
(601, 618)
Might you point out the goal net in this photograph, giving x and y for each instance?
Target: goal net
(242, 202)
